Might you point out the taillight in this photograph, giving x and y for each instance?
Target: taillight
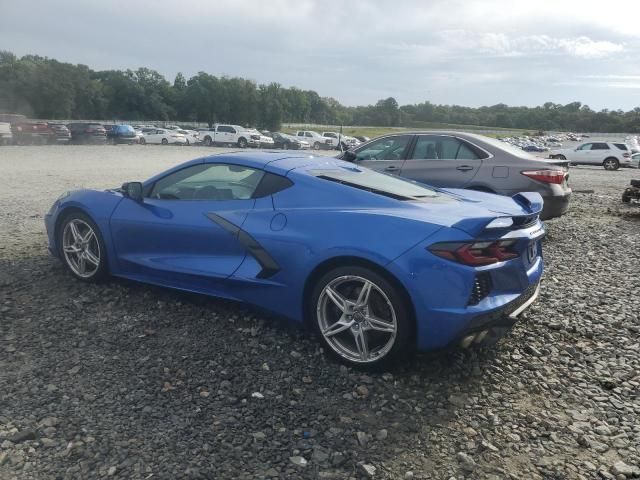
(476, 253)
(626, 155)
(546, 176)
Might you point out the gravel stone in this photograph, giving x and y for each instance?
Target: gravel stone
(558, 397)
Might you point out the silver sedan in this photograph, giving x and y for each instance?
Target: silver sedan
(467, 160)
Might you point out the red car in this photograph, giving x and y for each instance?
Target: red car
(32, 133)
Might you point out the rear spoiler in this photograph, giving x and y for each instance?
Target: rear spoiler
(530, 202)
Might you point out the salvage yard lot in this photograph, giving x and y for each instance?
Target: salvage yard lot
(131, 381)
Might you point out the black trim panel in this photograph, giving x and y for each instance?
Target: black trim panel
(269, 265)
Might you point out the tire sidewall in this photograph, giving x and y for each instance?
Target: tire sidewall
(102, 271)
(617, 164)
(405, 324)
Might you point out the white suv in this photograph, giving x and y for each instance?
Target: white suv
(610, 155)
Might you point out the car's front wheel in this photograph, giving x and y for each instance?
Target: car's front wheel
(361, 317)
(611, 164)
(81, 247)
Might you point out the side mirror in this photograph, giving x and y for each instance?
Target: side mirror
(132, 190)
(350, 156)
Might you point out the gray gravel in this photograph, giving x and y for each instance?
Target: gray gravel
(128, 381)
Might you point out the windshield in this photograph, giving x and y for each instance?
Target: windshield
(379, 183)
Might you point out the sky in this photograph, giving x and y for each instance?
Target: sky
(470, 53)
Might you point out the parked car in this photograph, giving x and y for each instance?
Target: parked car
(119, 134)
(289, 142)
(258, 139)
(635, 160)
(227, 135)
(6, 136)
(32, 133)
(83, 132)
(163, 137)
(534, 148)
(317, 141)
(61, 132)
(193, 138)
(340, 141)
(253, 228)
(610, 155)
(466, 160)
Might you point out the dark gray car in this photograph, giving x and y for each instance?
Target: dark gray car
(467, 160)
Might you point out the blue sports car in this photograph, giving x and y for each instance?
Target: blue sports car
(379, 266)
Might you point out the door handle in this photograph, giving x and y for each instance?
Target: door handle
(391, 168)
(464, 168)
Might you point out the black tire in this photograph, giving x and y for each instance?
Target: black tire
(242, 142)
(207, 141)
(626, 198)
(102, 272)
(142, 141)
(560, 157)
(316, 146)
(165, 141)
(611, 163)
(395, 347)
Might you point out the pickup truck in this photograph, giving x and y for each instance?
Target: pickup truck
(227, 135)
(347, 141)
(316, 140)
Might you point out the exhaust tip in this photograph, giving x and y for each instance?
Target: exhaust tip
(468, 340)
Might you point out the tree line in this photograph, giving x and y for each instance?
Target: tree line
(41, 87)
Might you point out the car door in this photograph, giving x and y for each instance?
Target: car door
(582, 154)
(179, 234)
(386, 154)
(442, 161)
(599, 151)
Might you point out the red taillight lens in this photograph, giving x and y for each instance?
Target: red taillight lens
(546, 176)
(476, 253)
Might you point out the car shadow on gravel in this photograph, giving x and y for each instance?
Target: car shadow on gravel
(148, 380)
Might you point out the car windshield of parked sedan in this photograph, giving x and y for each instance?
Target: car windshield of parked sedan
(374, 182)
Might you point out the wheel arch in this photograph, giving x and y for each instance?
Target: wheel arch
(350, 260)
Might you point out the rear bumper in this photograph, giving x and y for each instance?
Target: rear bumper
(555, 206)
(486, 329)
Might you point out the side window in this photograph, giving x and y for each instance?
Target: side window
(308, 134)
(232, 130)
(209, 181)
(586, 146)
(300, 134)
(439, 147)
(387, 148)
(600, 146)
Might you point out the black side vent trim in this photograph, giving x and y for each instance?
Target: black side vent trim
(269, 265)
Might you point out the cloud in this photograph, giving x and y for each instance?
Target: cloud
(448, 51)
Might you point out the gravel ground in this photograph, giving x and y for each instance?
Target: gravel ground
(123, 380)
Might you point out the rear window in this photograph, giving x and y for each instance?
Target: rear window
(379, 183)
(621, 146)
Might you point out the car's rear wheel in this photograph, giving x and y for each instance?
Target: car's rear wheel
(165, 141)
(560, 157)
(142, 141)
(316, 146)
(611, 164)
(81, 247)
(242, 143)
(360, 316)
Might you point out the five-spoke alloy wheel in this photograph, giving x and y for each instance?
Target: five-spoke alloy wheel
(360, 316)
(82, 248)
